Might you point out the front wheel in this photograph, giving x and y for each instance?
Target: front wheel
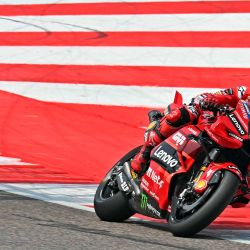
(186, 222)
(109, 202)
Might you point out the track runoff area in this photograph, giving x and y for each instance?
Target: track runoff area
(77, 79)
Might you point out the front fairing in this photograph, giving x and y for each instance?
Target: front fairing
(231, 129)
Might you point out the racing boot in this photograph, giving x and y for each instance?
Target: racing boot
(141, 160)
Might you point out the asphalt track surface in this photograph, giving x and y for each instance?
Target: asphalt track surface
(32, 224)
(39, 49)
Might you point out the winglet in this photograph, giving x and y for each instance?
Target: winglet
(178, 98)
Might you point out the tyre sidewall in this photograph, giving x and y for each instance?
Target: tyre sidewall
(116, 207)
(209, 211)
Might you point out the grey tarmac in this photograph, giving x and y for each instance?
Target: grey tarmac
(27, 223)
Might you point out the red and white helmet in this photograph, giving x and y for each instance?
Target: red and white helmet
(243, 93)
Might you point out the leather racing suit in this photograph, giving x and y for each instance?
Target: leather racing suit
(177, 116)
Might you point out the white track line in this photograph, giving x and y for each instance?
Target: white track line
(131, 96)
(5, 161)
(241, 236)
(168, 22)
(80, 196)
(71, 195)
(127, 56)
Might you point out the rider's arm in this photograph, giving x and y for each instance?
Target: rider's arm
(229, 96)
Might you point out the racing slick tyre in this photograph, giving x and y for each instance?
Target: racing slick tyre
(110, 203)
(186, 225)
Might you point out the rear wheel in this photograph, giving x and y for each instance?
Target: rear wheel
(109, 202)
(190, 214)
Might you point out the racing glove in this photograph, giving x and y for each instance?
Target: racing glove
(209, 103)
(205, 101)
(154, 115)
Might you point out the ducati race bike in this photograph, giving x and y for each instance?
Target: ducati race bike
(192, 177)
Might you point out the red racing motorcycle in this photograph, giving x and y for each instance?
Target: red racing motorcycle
(192, 177)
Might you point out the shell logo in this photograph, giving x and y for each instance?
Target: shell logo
(200, 185)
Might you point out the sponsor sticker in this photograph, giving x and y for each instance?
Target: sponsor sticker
(153, 210)
(154, 177)
(247, 109)
(235, 137)
(201, 185)
(237, 124)
(243, 110)
(165, 157)
(144, 201)
(144, 184)
(154, 195)
(124, 185)
(179, 138)
(145, 205)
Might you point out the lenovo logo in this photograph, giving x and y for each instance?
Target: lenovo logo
(165, 157)
(237, 124)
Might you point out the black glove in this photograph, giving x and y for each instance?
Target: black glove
(154, 115)
(209, 103)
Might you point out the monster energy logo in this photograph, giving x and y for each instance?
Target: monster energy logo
(144, 201)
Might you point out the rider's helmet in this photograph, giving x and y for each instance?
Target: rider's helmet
(243, 93)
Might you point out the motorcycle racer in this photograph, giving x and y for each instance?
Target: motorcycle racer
(176, 116)
(201, 164)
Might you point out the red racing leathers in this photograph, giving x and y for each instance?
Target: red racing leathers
(177, 116)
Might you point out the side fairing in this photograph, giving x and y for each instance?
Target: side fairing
(155, 184)
(167, 157)
(231, 129)
(173, 156)
(177, 150)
